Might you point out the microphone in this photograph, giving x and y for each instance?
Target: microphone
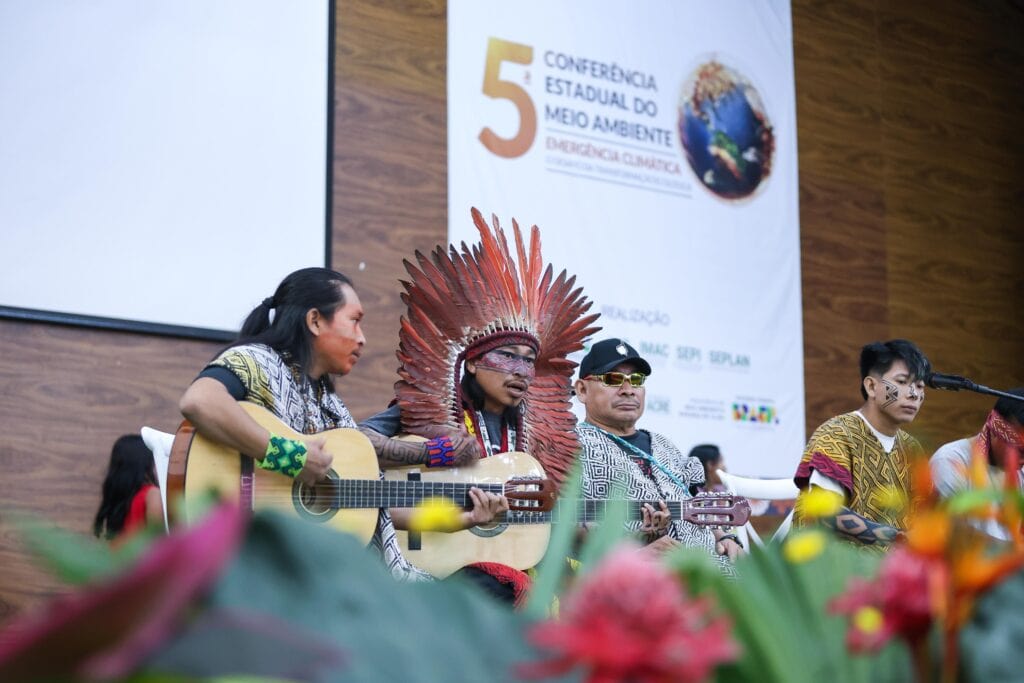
(937, 380)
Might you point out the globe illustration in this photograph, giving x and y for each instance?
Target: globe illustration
(725, 131)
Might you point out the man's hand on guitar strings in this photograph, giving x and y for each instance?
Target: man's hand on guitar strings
(318, 462)
(486, 506)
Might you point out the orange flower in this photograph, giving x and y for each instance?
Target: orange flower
(929, 532)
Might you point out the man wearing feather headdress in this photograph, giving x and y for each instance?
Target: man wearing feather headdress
(484, 369)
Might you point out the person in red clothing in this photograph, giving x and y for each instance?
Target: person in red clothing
(131, 497)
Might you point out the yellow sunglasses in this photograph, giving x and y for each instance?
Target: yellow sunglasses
(615, 379)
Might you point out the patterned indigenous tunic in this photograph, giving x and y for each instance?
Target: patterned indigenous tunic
(608, 466)
(309, 408)
(845, 449)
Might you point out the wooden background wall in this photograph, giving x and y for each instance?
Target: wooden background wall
(911, 169)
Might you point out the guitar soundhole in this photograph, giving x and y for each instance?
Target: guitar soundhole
(488, 531)
(315, 503)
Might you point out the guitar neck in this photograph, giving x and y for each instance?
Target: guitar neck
(594, 510)
(374, 493)
(695, 511)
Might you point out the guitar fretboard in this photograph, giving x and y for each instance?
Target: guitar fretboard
(371, 493)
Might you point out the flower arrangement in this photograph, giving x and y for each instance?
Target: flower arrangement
(275, 598)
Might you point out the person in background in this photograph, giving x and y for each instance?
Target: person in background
(1002, 433)
(711, 458)
(131, 498)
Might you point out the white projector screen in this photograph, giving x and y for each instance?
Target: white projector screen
(163, 164)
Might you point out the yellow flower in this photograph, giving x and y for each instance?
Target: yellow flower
(435, 514)
(804, 546)
(891, 498)
(819, 502)
(868, 619)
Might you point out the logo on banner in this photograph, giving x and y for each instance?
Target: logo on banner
(759, 413)
(725, 131)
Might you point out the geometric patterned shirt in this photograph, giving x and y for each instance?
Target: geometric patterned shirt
(845, 449)
(610, 471)
(307, 407)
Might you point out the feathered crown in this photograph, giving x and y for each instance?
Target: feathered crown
(463, 304)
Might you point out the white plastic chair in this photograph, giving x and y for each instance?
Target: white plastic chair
(761, 489)
(160, 444)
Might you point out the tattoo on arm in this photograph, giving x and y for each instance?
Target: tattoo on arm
(860, 528)
(396, 453)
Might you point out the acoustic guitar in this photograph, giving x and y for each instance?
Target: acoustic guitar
(348, 500)
(519, 538)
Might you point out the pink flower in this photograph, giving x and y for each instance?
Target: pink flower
(907, 593)
(630, 620)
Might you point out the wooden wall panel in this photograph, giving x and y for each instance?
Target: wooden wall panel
(68, 393)
(911, 168)
(842, 204)
(952, 107)
(390, 170)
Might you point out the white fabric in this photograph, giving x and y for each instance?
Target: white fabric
(160, 444)
(764, 489)
(826, 482)
(949, 468)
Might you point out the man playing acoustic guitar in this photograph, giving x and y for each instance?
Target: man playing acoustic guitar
(287, 350)
(650, 467)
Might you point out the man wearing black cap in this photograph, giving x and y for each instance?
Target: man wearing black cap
(614, 453)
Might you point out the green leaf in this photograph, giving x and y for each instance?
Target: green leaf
(972, 499)
(305, 581)
(990, 641)
(551, 571)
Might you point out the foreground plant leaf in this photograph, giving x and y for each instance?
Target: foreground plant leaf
(105, 629)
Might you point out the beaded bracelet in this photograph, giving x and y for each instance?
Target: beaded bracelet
(440, 452)
(287, 456)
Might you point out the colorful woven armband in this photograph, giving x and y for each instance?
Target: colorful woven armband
(440, 452)
(287, 456)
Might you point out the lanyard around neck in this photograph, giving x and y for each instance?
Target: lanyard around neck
(645, 456)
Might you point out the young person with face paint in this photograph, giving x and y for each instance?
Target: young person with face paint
(865, 456)
(1000, 443)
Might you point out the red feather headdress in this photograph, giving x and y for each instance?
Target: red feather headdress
(480, 299)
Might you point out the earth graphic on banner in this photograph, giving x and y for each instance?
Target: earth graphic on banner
(725, 131)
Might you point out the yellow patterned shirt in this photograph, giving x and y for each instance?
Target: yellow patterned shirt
(877, 484)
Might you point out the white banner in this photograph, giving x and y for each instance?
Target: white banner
(654, 144)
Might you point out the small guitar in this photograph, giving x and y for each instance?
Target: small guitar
(520, 537)
(349, 499)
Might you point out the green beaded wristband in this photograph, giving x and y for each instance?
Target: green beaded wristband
(287, 456)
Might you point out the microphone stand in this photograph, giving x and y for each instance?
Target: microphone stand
(981, 389)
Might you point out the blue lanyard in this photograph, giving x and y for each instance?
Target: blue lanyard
(646, 456)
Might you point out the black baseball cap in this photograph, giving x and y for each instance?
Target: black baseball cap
(607, 354)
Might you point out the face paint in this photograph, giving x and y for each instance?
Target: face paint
(508, 362)
(892, 393)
